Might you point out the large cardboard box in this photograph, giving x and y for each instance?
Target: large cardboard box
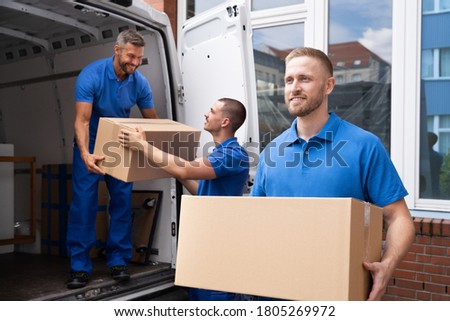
(287, 248)
(130, 165)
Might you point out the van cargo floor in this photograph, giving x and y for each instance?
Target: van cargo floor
(26, 277)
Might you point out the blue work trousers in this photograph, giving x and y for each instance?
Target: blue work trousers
(81, 231)
(210, 295)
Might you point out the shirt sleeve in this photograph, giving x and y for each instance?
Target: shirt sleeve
(383, 184)
(228, 161)
(258, 183)
(145, 100)
(85, 87)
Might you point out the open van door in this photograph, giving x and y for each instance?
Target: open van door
(217, 61)
(43, 47)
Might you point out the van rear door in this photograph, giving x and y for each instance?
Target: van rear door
(217, 61)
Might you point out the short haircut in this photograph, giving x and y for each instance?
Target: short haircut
(130, 36)
(313, 53)
(235, 111)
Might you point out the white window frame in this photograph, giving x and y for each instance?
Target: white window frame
(405, 117)
(405, 114)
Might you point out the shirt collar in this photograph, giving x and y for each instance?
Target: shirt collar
(326, 133)
(110, 68)
(111, 73)
(227, 142)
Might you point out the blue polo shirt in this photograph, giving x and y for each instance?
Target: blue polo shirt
(98, 84)
(342, 160)
(231, 165)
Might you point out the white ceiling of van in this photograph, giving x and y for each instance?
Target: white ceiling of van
(38, 21)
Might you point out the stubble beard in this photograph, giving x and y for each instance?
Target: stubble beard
(123, 67)
(304, 108)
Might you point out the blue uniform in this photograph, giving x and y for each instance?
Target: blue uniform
(231, 165)
(342, 160)
(98, 84)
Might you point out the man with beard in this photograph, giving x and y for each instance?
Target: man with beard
(321, 155)
(105, 88)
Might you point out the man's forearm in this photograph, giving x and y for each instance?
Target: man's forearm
(174, 165)
(399, 237)
(82, 138)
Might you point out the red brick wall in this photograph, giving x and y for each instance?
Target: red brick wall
(170, 8)
(424, 274)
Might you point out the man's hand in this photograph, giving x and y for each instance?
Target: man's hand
(130, 139)
(380, 276)
(91, 160)
(400, 234)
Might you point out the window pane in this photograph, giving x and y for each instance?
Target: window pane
(270, 47)
(360, 46)
(197, 6)
(444, 143)
(266, 4)
(444, 5)
(428, 5)
(444, 68)
(435, 97)
(427, 63)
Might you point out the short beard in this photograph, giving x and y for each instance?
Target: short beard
(309, 107)
(306, 110)
(123, 66)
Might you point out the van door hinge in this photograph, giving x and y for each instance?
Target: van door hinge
(180, 92)
(233, 11)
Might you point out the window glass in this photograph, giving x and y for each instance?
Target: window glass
(444, 121)
(427, 5)
(270, 46)
(444, 63)
(435, 108)
(356, 77)
(444, 5)
(195, 7)
(267, 4)
(427, 63)
(360, 47)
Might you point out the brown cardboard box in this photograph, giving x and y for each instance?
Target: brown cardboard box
(287, 248)
(130, 165)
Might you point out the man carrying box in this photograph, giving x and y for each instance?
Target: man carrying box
(105, 88)
(223, 173)
(322, 155)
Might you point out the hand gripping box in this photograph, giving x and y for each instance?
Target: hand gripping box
(287, 248)
(129, 165)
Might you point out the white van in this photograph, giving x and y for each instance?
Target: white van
(43, 46)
